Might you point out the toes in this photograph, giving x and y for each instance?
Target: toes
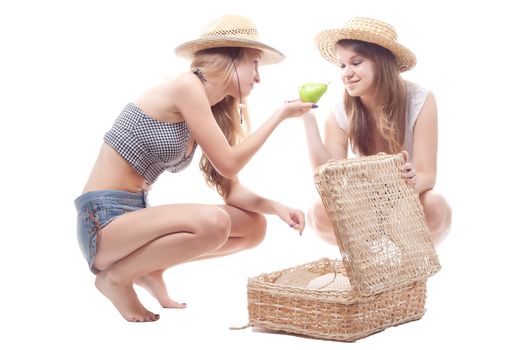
(147, 317)
(133, 319)
(152, 318)
(171, 304)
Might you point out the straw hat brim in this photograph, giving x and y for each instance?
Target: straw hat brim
(327, 39)
(269, 54)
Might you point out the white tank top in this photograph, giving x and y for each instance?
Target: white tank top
(416, 96)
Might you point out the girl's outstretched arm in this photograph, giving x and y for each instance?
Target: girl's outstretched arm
(228, 160)
(243, 198)
(335, 145)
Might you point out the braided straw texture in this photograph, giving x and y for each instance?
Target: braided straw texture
(329, 314)
(369, 30)
(247, 33)
(230, 31)
(378, 222)
(231, 25)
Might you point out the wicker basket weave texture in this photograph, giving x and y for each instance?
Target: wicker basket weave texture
(334, 315)
(386, 250)
(378, 222)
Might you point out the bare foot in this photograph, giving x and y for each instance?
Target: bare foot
(124, 298)
(154, 284)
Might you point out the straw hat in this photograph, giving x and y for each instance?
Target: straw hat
(369, 30)
(230, 31)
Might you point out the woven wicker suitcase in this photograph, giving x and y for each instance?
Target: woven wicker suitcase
(387, 256)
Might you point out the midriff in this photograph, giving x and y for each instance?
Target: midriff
(112, 172)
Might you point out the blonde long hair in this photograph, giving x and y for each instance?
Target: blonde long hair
(389, 98)
(219, 64)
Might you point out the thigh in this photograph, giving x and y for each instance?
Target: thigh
(133, 230)
(240, 219)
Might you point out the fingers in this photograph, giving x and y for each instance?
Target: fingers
(296, 108)
(303, 106)
(408, 170)
(405, 154)
(409, 173)
(410, 177)
(407, 166)
(297, 221)
(411, 180)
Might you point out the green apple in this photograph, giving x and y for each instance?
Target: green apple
(312, 92)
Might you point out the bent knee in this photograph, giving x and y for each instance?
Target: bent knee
(327, 236)
(216, 224)
(436, 207)
(318, 219)
(438, 215)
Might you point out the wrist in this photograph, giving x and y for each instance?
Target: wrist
(309, 117)
(275, 207)
(279, 115)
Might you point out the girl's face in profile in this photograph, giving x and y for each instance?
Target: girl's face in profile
(357, 72)
(248, 70)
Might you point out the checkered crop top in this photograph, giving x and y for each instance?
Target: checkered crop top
(148, 145)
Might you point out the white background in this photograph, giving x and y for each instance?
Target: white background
(68, 68)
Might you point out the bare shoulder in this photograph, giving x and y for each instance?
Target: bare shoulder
(431, 99)
(336, 139)
(185, 83)
(165, 101)
(429, 106)
(187, 79)
(427, 120)
(330, 119)
(184, 90)
(333, 127)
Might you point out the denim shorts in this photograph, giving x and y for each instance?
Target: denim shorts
(96, 209)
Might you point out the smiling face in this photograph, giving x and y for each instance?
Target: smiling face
(357, 71)
(247, 71)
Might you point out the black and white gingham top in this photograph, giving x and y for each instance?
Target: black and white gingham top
(150, 146)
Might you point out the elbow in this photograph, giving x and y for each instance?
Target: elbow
(432, 182)
(229, 174)
(426, 182)
(228, 201)
(431, 179)
(226, 164)
(223, 165)
(429, 186)
(228, 170)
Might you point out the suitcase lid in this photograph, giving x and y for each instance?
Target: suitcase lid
(378, 222)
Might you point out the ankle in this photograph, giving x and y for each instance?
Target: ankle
(114, 277)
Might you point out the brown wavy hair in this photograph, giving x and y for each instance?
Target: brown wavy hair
(390, 102)
(219, 64)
